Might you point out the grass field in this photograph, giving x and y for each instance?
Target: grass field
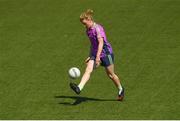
(41, 39)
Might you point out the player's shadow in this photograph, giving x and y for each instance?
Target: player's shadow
(78, 99)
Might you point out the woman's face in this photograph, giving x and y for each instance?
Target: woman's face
(87, 22)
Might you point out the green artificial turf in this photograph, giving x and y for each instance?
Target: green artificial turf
(41, 39)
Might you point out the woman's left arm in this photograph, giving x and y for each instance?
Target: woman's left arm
(100, 47)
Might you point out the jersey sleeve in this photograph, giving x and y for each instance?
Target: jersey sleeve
(99, 32)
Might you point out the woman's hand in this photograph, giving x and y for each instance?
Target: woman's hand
(98, 61)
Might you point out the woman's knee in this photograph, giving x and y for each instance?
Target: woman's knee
(89, 70)
(112, 75)
(89, 67)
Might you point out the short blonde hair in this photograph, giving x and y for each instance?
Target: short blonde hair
(88, 14)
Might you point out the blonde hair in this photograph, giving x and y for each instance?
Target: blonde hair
(88, 14)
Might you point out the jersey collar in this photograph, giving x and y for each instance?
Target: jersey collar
(93, 26)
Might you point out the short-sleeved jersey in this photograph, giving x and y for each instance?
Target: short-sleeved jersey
(95, 32)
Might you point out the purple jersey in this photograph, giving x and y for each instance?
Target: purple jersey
(95, 32)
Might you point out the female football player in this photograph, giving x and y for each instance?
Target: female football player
(100, 54)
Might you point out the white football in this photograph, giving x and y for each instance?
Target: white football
(74, 72)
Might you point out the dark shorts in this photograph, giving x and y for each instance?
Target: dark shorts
(105, 61)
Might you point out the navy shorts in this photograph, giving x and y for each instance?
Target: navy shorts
(105, 61)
